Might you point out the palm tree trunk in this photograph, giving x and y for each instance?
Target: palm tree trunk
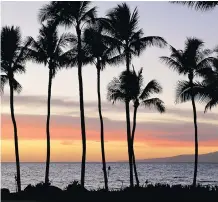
(18, 181)
(196, 142)
(128, 126)
(82, 116)
(129, 141)
(48, 128)
(133, 153)
(102, 129)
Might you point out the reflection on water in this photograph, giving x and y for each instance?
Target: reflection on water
(61, 174)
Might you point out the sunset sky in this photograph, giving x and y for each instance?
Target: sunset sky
(157, 135)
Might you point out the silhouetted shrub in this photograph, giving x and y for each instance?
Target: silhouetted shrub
(75, 186)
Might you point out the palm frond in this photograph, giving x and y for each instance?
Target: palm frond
(205, 63)
(199, 5)
(173, 64)
(16, 85)
(36, 52)
(4, 80)
(205, 72)
(60, 12)
(183, 91)
(152, 87)
(140, 44)
(192, 48)
(212, 103)
(153, 41)
(116, 60)
(155, 103)
(18, 68)
(89, 16)
(114, 92)
(68, 59)
(66, 39)
(134, 19)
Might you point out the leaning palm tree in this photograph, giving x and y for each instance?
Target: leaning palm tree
(192, 61)
(75, 14)
(14, 55)
(199, 5)
(48, 49)
(123, 26)
(139, 95)
(102, 51)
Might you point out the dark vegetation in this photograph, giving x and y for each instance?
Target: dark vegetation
(148, 192)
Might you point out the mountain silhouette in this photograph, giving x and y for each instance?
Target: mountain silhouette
(187, 158)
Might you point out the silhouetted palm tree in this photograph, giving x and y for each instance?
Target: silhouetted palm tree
(14, 55)
(123, 26)
(207, 90)
(102, 51)
(76, 14)
(131, 86)
(192, 61)
(48, 49)
(142, 97)
(199, 5)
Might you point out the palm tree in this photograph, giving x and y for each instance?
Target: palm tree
(192, 61)
(102, 51)
(14, 55)
(78, 15)
(123, 26)
(48, 49)
(206, 91)
(132, 87)
(199, 5)
(142, 98)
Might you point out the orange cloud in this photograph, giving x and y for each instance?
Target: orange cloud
(66, 139)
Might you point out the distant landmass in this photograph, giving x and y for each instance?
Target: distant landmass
(203, 158)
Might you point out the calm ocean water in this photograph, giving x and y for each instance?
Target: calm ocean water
(61, 174)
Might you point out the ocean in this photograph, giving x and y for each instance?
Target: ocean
(61, 174)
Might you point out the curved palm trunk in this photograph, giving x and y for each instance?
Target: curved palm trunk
(18, 181)
(196, 142)
(128, 128)
(102, 130)
(82, 116)
(133, 153)
(48, 128)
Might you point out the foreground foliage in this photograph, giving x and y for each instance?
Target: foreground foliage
(149, 192)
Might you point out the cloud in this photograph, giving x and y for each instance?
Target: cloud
(67, 106)
(67, 129)
(32, 101)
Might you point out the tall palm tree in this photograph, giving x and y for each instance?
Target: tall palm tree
(139, 95)
(192, 61)
(199, 5)
(48, 49)
(75, 14)
(14, 55)
(102, 51)
(122, 24)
